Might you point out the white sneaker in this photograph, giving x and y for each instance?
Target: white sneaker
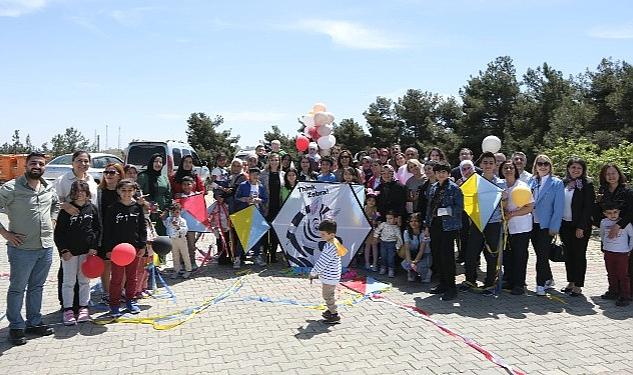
(374, 268)
(237, 263)
(540, 290)
(260, 261)
(410, 276)
(549, 284)
(383, 270)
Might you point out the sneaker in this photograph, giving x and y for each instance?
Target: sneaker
(449, 295)
(69, 318)
(517, 291)
(540, 290)
(437, 290)
(374, 268)
(383, 270)
(549, 284)
(105, 299)
(16, 337)
(84, 315)
(333, 319)
(622, 302)
(326, 314)
(410, 276)
(132, 307)
(115, 312)
(39, 330)
(186, 275)
(174, 275)
(609, 295)
(367, 266)
(392, 273)
(466, 286)
(488, 292)
(260, 261)
(237, 263)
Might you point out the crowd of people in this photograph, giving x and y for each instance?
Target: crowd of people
(413, 202)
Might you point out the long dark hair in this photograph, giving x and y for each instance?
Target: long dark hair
(414, 216)
(286, 182)
(570, 162)
(603, 174)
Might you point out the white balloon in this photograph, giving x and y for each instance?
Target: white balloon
(308, 120)
(320, 118)
(324, 129)
(491, 143)
(326, 142)
(330, 118)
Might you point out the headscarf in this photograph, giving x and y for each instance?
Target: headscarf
(152, 175)
(465, 163)
(181, 172)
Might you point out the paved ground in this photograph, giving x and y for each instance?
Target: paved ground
(237, 336)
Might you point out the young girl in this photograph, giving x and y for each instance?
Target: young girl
(350, 175)
(124, 223)
(218, 213)
(290, 180)
(418, 253)
(390, 241)
(371, 244)
(77, 237)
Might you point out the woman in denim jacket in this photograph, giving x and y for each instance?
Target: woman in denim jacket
(549, 203)
(443, 221)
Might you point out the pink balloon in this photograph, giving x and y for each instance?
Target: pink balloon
(308, 120)
(123, 254)
(325, 129)
(302, 143)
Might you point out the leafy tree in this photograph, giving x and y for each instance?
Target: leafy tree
(488, 102)
(351, 136)
(383, 123)
(203, 135)
(69, 142)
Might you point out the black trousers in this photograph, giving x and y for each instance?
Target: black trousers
(576, 253)
(476, 244)
(515, 259)
(462, 239)
(442, 243)
(541, 241)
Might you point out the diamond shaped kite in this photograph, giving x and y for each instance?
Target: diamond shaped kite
(481, 198)
(249, 225)
(307, 205)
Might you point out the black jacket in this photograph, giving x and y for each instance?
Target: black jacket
(582, 205)
(124, 224)
(621, 195)
(392, 196)
(78, 233)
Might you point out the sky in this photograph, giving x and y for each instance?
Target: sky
(144, 66)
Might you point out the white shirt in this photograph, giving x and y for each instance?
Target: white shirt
(525, 176)
(518, 224)
(623, 243)
(569, 194)
(63, 183)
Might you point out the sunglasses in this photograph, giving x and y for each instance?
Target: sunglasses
(508, 168)
(542, 163)
(110, 172)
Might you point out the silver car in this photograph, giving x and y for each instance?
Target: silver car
(63, 164)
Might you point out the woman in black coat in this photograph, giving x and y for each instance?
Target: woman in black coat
(576, 226)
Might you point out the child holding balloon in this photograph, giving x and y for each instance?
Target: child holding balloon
(124, 239)
(77, 237)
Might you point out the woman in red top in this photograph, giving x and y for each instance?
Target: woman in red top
(185, 169)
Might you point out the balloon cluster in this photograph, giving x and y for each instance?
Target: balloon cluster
(318, 128)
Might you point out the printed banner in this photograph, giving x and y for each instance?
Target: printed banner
(297, 223)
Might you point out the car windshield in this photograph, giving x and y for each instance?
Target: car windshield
(140, 154)
(62, 160)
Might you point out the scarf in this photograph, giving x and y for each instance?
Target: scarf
(181, 172)
(152, 176)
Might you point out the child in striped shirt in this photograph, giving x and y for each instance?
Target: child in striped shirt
(328, 269)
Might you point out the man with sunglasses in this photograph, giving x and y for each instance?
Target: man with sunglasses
(520, 160)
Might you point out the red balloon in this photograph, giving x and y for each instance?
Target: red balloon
(313, 133)
(92, 267)
(123, 254)
(302, 143)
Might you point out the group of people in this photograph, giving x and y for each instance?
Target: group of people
(414, 203)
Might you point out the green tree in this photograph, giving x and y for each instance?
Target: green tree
(203, 135)
(351, 136)
(383, 123)
(69, 142)
(488, 101)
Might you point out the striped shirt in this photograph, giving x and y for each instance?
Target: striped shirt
(328, 265)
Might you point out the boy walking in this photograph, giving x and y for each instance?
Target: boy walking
(328, 269)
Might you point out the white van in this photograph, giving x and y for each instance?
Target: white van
(139, 152)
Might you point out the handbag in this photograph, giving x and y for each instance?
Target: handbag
(557, 251)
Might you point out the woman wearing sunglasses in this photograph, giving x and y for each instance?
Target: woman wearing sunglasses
(549, 203)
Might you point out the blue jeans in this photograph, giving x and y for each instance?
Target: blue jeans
(29, 269)
(388, 253)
